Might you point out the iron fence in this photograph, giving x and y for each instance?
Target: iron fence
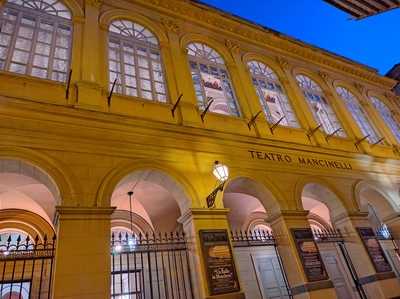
(152, 266)
(26, 267)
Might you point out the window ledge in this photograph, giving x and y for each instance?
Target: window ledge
(140, 100)
(29, 79)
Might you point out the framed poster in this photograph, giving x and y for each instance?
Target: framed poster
(218, 260)
(374, 249)
(307, 249)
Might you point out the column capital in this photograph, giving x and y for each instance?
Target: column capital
(70, 212)
(203, 214)
(292, 214)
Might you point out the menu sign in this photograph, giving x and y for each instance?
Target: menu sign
(217, 253)
(374, 249)
(309, 254)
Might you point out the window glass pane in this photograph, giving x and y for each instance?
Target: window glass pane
(359, 114)
(37, 72)
(17, 68)
(42, 49)
(3, 52)
(62, 41)
(25, 32)
(211, 80)
(23, 44)
(20, 56)
(138, 48)
(274, 101)
(61, 53)
(321, 109)
(60, 65)
(28, 20)
(7, 28)
(387, 116)
(46, 25)
(5, 39)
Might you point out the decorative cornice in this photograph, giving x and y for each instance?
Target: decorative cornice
(282, 62)
(324, 76)
(195, 12)
(360, 88)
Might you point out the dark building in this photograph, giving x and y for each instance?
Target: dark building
(394, 73)
(360, 9)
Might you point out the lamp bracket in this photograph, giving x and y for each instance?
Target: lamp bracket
(212, 196)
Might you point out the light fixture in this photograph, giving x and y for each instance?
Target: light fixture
(118, 248)
(221, 172)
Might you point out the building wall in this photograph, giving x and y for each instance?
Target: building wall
(88, 147)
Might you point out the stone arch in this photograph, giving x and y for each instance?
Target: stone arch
(375, 194)
(317, 189)
(295, 71)
(26, 221)
(268, 61)
(107, 17)
(67, 184)
(340, 83)
(182, 191)
(75, 8)
(121, 219)
(212, 43)
(260, 201)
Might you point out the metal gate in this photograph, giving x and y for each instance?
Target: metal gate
(335, 236)
(26, 267)
(258, 261)
(154, 266)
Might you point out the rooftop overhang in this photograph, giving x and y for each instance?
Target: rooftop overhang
(359, 9)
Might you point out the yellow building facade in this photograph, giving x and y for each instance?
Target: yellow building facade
(77, 135)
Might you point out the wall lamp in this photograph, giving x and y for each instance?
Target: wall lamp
(221, 172)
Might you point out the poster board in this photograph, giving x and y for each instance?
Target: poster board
(374, 249)
(307, 249)
(218, 261)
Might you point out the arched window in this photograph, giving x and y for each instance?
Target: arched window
(135, 61)
(36, 38)
(358, 113)
(211, 80)
(320, 108)
(272, 96)
(387, 116)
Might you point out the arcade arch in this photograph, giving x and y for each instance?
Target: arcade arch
(156, 203)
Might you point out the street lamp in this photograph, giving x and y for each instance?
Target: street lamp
(221, 172)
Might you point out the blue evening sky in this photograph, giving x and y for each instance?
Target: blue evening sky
(374, 41)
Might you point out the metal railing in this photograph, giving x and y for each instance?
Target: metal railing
(26, 267)
(152, 266)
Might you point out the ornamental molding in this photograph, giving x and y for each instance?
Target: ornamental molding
(360, 88)
(194, 12)
(283, 62)
(232, 46)
(94, 3)
(324, 76)
(171, 25)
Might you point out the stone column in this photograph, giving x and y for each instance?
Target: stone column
(82, 265)
(376, 285)
(194, 221)
(281, 225)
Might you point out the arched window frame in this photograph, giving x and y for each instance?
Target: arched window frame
(268, 87)
(316, 99)
(36, 39)
(358, 113)
(387, 115)
(135, 62)
(205, 61)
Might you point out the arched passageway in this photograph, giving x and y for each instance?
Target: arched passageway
(147, 238)
(28, 199)
(259, 266)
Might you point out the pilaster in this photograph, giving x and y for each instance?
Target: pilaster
(376, 285)
(189, 113)
(83, 263)
(282, 225)
(194, 221)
